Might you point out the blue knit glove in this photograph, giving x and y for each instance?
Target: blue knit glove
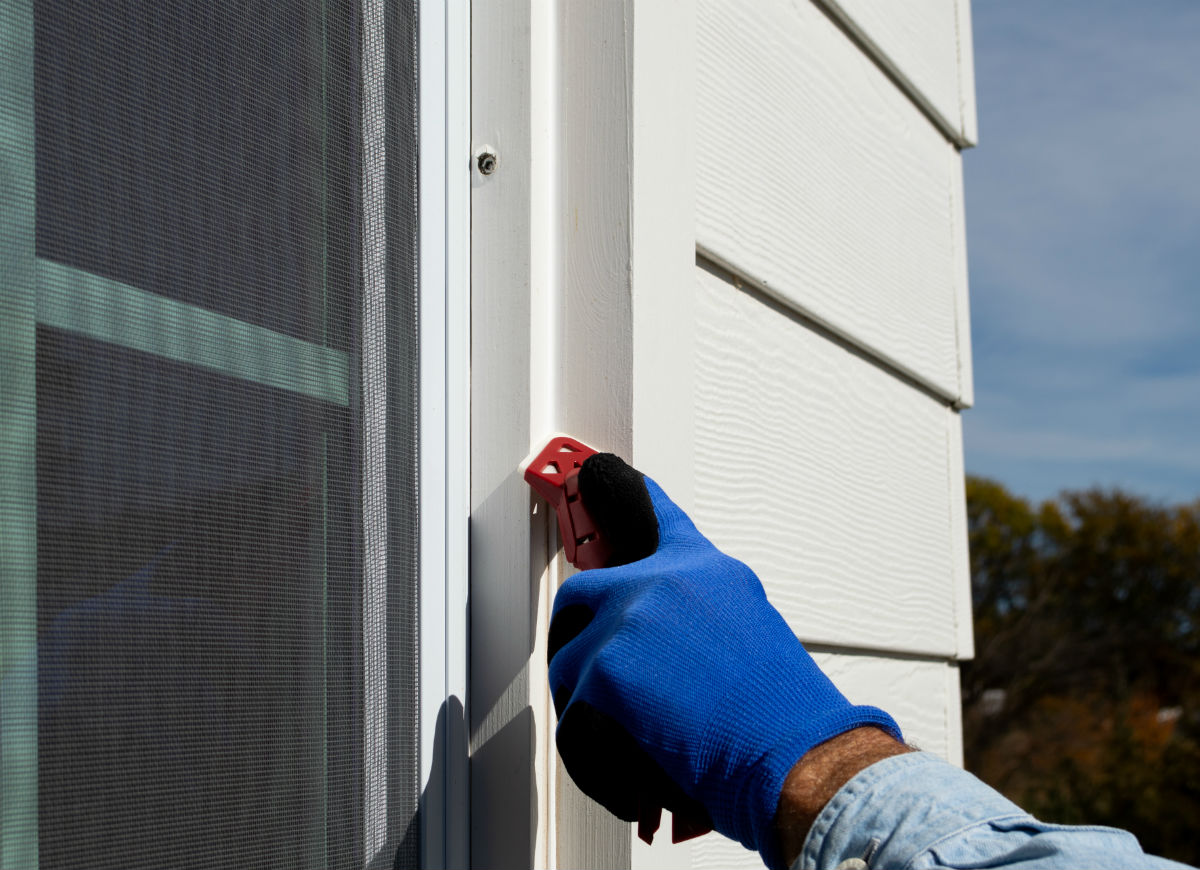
(678, 685)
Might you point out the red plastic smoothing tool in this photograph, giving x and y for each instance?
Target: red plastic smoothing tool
(554, 475)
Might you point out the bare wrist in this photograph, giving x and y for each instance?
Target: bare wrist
(817, 776)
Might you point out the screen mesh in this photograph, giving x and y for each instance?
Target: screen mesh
(208, 434)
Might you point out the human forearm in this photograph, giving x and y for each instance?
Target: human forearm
(818, 776)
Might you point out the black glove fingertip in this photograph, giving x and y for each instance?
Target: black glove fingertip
(617, 499)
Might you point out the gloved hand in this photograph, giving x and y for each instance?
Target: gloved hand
(677, 684)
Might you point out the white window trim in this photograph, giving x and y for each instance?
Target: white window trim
(584, 249)
(444, 106)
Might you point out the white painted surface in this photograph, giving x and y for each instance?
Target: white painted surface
(962, 306)
(595, 307)
(445, 439)
(824, 473)
(553, 259)
(966, 79)
(921, 694)
(551, 350)
(545, 243)
(822, 182)
(505, 583)
(963, 612)
(917, 42)
(594, 168)
(664, 244)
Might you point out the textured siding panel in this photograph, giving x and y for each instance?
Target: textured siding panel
(823, 183)
(917, 692)
(919, 42)
(826, 474)
(966, 66)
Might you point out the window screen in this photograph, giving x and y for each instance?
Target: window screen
(208, 434)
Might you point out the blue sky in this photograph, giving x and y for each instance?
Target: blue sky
(1083, 220)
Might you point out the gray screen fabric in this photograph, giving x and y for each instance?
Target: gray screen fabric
(195, 589)
(189, 623)
(182, 150)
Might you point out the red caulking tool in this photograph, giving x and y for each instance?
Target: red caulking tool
(554, 475)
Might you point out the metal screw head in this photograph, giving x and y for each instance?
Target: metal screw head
(485, 161)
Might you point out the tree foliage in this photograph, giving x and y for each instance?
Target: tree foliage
(1083, 701)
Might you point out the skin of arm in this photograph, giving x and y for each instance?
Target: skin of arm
(817, 776)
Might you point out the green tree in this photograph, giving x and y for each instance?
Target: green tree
(1083, 701)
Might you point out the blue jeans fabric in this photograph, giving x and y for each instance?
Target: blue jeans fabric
(916, 812)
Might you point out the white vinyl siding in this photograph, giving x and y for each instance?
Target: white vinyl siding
(926, 46)
(820, 181)
(828, 344)
(826, 474)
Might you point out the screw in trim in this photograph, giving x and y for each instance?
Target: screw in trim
(486, 162)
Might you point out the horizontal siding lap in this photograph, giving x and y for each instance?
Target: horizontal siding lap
(918, 41)
(825, 474)
(966, 67)
(915, 691)
(821, 182)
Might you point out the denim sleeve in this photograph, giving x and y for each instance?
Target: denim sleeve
(917, 812)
